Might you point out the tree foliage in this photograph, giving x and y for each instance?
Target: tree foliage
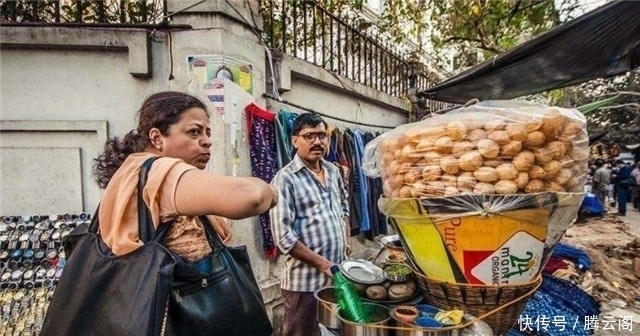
(621, 120)
(470, 27)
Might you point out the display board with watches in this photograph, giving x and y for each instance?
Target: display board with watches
(32, 260)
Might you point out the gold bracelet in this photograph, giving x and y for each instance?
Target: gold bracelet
(274, 200)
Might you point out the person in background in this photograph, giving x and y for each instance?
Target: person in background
(600, 181)
(310, 224)
(613, 193)
(635, 190)
(623, 173)
(636, 155)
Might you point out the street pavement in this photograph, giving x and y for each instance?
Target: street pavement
(633, 218)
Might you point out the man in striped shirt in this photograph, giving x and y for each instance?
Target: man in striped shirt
(310, 223)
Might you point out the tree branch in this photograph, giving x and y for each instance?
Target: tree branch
(630, 93)
(635, 105)
(482, 43)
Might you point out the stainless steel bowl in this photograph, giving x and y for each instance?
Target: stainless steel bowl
(380, 317)
(396, 277)
(327, 312)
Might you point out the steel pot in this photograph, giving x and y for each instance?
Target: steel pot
(380, 316)
(327, 309)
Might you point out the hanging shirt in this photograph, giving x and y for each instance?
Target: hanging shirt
(365, 223)
(312, 214)
(284, 126)
(354, 181)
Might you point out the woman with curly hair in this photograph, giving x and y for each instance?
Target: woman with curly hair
(174, 126)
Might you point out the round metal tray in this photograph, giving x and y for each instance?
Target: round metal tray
(362, 271)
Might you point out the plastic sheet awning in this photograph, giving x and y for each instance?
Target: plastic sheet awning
(602, 43)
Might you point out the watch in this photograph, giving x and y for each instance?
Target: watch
(16, 275)
(28, 275)
(40, 272)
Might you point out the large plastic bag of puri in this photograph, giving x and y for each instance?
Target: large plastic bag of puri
(482, 194)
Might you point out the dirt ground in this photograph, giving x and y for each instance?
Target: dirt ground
(612, 243)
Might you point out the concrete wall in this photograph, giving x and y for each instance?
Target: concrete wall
(65, 90)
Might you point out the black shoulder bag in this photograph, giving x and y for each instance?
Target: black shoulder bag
(103, 294)
(217, 295)
(151, 291)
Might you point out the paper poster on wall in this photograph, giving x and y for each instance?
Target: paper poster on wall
(211, 70)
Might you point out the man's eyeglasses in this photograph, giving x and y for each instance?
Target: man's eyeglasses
(312, 136)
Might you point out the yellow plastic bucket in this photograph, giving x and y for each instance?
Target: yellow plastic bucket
(482, 239)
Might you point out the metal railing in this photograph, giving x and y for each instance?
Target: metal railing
(305, 30)
(83, 12)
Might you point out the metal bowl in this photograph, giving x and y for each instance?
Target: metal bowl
(327, 313)
(396, 277)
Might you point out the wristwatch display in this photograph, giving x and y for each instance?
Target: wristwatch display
(32, 260)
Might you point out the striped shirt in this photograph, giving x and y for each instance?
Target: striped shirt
(312, 214)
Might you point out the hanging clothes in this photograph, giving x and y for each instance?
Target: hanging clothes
(378, 220)
(264, 159)
(283, 130)
(341, 160)
(354, 184)
(363, 182)
(333, 155)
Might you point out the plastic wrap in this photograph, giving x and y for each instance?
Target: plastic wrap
(493, 147)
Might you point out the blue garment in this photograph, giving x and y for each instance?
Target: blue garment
(557, 308)
(622, 174)
(333, 155)
(365, 223)
(623, 198)
(622, 190)
(578, 256)
(592, 206)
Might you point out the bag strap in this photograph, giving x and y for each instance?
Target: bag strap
(146, 230)
(212, 235)
(95, 223)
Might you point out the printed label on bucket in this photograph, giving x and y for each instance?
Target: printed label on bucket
(470, 240)
(517, 261)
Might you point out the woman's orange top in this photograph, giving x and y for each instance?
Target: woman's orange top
(118, 213)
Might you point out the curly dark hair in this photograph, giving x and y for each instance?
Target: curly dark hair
(161, 110)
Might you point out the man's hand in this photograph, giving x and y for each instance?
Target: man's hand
(304, 254)
(327, 270)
